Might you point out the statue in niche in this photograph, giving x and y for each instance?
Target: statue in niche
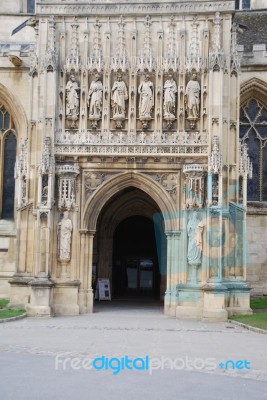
(194, 231)
(64, 237)
(192, 97)
(146, 102)
(170, 90)
(72, 98)
(95, 96)
(119, 95)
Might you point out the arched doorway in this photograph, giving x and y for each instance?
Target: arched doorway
(124, 195)
(127, 249)
(135, 269)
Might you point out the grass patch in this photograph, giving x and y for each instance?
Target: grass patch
(3, 303)
(258, 320)
(258, 303)
(10, 313)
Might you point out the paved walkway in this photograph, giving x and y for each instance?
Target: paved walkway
(30, 347)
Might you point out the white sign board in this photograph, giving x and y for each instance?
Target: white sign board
(103, 289)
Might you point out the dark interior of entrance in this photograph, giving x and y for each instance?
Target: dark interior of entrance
(135, 265)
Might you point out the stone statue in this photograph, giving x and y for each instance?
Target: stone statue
(95, 98)
(72, 98)
(64, 237)
(192, 97)
(146, 101)
(194, 231)
(119, 95)
(170, 90)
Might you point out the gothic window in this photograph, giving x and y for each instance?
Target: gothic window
(8, 145)
(253, 131)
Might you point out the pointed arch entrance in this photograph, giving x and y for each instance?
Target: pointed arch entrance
(136, 198)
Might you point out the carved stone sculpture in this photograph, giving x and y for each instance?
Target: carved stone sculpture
(95, 97)
(119, 94)
(194, 231)
(72, 98)
(192, 98)
(170, 90)
(146, 102)
(64, 237)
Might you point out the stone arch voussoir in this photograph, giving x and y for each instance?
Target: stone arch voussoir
(254, 88)
(97, 201)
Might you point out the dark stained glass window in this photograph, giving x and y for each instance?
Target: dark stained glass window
(253, 131)
(10, 144)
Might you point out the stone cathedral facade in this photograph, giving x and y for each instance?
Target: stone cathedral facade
(113, 112)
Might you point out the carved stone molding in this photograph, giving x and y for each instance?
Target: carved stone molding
(21, 173)
(67, 174)
(95, 60)
(133, 150)
(171, 61)
(215, 158)
(46, 176)
(216, 55)
(146, 61)
(47, 161)
(194, 185)
(253, 87)
(72, 137)
(93, 179)
(133, 8)
(245, 165)
(50, 59)
(73, 60)
(119, 61)
(169, 181)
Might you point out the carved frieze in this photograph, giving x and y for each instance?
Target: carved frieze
(119, 7)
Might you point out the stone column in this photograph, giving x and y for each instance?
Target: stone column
(170, 302)
(82, 291)
(167, 299)
(209, 185)
(90, 293)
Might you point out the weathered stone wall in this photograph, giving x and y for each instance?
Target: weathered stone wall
(256, 4)
(14, 7)
(257, 252)
(7, 256)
